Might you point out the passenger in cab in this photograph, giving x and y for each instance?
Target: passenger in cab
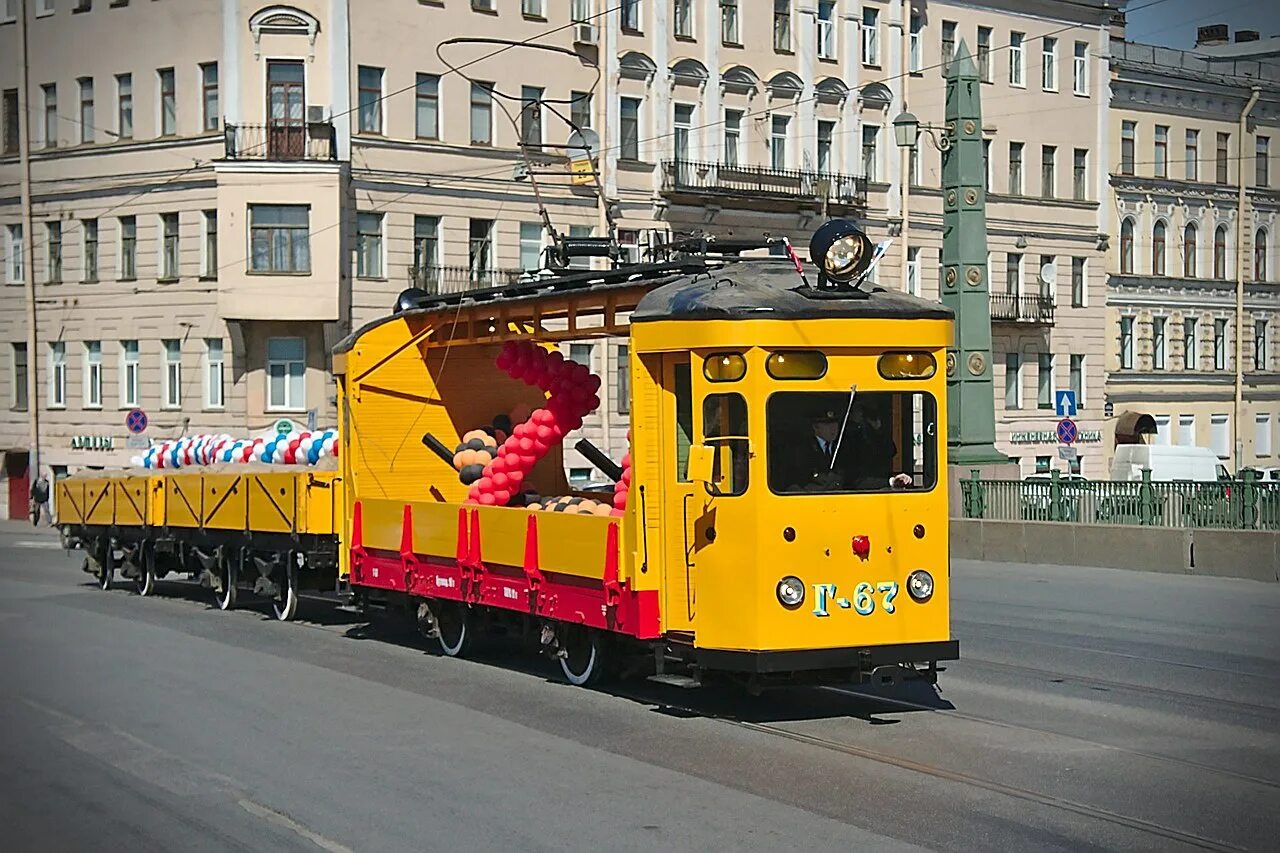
(860, 459)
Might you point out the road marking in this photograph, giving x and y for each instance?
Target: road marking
(42, 544)
(281, 820)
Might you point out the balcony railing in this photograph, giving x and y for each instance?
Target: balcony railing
(758, 182)
(280, 141)
(1012, 308)
(446, 279)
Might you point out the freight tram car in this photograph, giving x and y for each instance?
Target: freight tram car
(780, 518)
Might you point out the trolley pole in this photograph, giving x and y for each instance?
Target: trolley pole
(28, 247)
(971, 419)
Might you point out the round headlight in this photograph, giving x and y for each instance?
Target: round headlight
(920, 585)
(843, 257)
(790, 591)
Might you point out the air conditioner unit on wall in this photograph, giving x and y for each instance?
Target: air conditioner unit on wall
(584, 34)
(316, 114)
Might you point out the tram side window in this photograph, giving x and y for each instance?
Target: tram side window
(684, 420)
(724, 429)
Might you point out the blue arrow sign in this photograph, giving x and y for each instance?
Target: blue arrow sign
(1065, 403)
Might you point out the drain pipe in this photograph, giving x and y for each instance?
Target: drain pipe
(1237, 429)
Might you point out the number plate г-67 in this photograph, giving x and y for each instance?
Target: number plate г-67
(863, 602)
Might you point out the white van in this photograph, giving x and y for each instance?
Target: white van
(1167, 462)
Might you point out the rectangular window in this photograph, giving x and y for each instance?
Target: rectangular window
(682, 15)
(50, 93)
(1080, 174)
(279, 238)
(582, 354)
(86, 109)
(168, 102)
(1224, 143)
(169, 246)
(732, 136)
(481, 113)
(128, 248)
(948, 45)
(53, 252)
(1262, 434)
(826, 29)
(427, 106)
(870, 151)
(915, 56)
(986, 163)
(1044, 386)
(1190, 347)
(1049, 64)
(480, 251)
(286, 373)
(623, 366)
(629, 247)
(18, 396)
(93, 374)
(209, 95)
(913, 271)
(213, 373)
(1220, 435)
(1164, 431)
(57, 375)
(14, 249)
(1079, 293)
(1017, 60)
(531, 116)
(369, 98)
(1187, 430)
(580, 109)
(778, 141)
(209, 248)
(1080, 69)
(984, 54)
(630, 16)
(870, 37)
(1260, 360)
(124, 106)
(530, 245)
(369, 245)
(1219, 344)
(730, 33)
(532, 8)
(1157, 343)
(1262, 175)
(1192, 157)
(172, 374)
(1128, 143)
(1013, 273)
(782, 25)
(89, 228)
(1015, 168)
(629, 120)
(130, 381)
(826, 130)
(1048, 171)
(1012, 380)
(1126, 343)
(1161, 140)
(426, 244)
(11, 124)
(681, 125)
(1077, 379)
(1048, 284)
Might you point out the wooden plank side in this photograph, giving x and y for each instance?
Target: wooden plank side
(99, 506)
(182, 497)
(320, 503)
(68, 498)
(225, 501)
(130, 499)
(273, 502)
(435, 529)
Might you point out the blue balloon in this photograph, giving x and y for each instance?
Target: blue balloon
(313, 455)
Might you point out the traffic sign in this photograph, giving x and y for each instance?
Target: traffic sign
(283, 426)
(137, 442)
(1068, 452)
(1066, 403)
(136, 421)
(1067, 431)
(583, 172)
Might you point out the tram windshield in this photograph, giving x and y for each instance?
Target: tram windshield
(823, 442)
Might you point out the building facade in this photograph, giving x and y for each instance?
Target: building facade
(222, 190)
(1178, 352)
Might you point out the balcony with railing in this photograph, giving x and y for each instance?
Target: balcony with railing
(702, 182)
(281, 141)
(1035, 310)
(455, 279)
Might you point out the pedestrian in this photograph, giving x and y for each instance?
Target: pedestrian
(40, 501)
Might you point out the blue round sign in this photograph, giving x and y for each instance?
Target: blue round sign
(1067, 431)
(136, 421)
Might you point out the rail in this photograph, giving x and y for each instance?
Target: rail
(1010, 307)
(456, 279)
(688, 176)
(280, 141)
(1243, 504)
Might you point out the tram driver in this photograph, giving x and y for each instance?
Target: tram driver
(858, 457)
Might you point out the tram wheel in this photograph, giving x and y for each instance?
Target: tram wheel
(285, 603)
(453, 622)
(225, 595)
(145, 582)
(106, 566)
(584, 655)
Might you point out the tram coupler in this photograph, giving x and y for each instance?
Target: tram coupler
(892, 675)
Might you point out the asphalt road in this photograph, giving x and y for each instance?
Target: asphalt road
(1094, 709)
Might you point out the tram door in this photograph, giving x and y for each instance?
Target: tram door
(679, 495)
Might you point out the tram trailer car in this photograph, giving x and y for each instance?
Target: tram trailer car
(732, 556)
(269, 529)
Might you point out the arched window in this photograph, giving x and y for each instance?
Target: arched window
(1220, 252)
(1189, 251)
(1126, 247)
(1260, 248)
(1157, 248)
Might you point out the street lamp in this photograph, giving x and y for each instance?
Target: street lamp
(906, 131)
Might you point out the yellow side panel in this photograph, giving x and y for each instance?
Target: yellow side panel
(157, 501)
(274, 502)
(99, 506)
(182, 496)
(322, 503)
(225, 501)
(382, 522)
(68, 501)
(130, 497)
(435, 529)
(569, 544)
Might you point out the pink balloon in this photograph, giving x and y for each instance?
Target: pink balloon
(502, 497)
(617, 513)
(626, 477)
(515, 478)
(484, 485)
(499, 479)
(540, 448)
(486, 499)
(498, 466)
(521, 430)
(526, 445)
(528, 460)
(544, 433)
(626, 460)
(619, 500)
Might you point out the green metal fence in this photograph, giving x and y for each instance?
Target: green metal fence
(1243, 504)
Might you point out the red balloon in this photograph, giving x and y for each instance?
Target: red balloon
(521, 430)
(620, 500)
(626, 477)
(484, 485)
(544, 433)
(525, 445)
(593, 403)
(540, 448)
(502, 497)
(487, 499)
(626, 460)
(593, 382)
(499, 479)
(573, 423)
(497, 466)
(515, 478)
(543, 417)
(617, 513)
(528, 460)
